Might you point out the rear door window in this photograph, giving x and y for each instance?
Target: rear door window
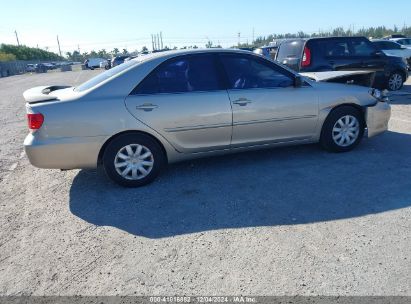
(336, 48)
(183, 74)
(362, 48)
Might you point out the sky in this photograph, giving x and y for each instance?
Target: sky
(92, 24)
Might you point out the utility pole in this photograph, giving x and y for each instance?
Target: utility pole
(161, 38)
(58, 42)
(152, 42)
(17, 37)
(253, 37)
(239, 38)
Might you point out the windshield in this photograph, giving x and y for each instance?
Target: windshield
(104, 76)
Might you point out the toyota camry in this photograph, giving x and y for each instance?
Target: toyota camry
(178, 105)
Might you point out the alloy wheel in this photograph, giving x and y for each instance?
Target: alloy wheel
(395, 82)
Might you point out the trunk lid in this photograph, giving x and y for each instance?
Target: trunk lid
(43, 93)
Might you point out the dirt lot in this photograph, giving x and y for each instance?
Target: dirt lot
(279, 222)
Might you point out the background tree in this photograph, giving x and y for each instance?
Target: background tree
(27, 53)
(7, 57)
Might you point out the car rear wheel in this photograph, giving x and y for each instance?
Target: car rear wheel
(395, 81)
(342, 130)
(133, 160)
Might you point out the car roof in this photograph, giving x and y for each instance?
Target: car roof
(323, 38)
(173, 53)
(396, 39)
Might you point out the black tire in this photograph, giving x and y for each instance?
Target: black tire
(393, 82)
(327, 141)
(116, 145)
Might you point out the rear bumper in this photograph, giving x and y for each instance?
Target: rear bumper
(377, 118)
(63, 153)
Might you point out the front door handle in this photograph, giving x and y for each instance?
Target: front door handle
(242, 101)
(147, 107)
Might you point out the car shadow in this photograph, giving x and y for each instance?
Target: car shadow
(283, 186)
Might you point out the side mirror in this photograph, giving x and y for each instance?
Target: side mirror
(298, 81)
(379, 53)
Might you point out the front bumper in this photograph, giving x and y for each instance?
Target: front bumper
(377, 118)
(63, 153)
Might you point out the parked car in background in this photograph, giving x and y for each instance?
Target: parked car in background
(104, 64)
(392, 48)
(41, 68)
(394, 36)
(30, 67)
(130, 58)
(118, 60)
(266, 51)
(403, 41)
(93, 63)
(177, 105)
(344, 54)
(49, 66)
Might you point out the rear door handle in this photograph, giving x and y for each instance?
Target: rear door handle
(147, 107)
(242, 101)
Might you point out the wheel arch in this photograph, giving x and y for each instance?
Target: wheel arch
(401, 72)
(109, 140)
(361, 109)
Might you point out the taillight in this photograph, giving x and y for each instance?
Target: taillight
(306, 57)
(35, 121)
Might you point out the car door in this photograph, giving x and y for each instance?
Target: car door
(267, 108)
(365, 52)
(186, 102)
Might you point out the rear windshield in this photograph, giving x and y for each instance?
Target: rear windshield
(290, 49)
(104, 76)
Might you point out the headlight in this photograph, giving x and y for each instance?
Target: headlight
(380, 96)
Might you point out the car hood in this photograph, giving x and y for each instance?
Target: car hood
(333, 75)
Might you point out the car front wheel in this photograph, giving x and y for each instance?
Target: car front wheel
(343, 129)
(133, 160)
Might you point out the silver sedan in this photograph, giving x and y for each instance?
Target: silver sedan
(172, 106)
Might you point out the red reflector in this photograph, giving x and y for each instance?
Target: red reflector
(306, 57)
(35, 121)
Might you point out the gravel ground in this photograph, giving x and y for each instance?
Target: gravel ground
(286, 221)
